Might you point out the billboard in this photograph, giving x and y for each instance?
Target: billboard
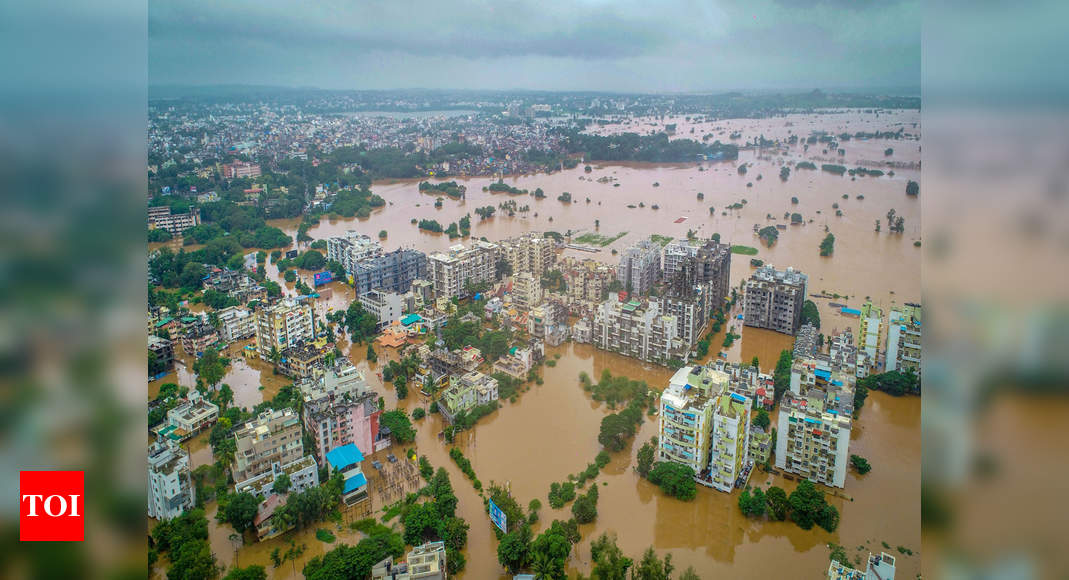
(498, 517)
(321, 278)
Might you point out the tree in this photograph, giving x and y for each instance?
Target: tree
(282, 483)
(761, 419)
(502, 269)
(827, 246)
(778, 505)
(421, 523)
(646, 456)
(513, 551)
(860, 464)
(828, 518)
(807, 504)
(913, 188)
(585, 508)
(210, 367)
(653, 568)
(241, 511)
(253, 572)
(810, 314)
(781, 376)
(675, 479)
(192, 560)
(399, 425)
(549, 552)
(752, 504)
(609, 560)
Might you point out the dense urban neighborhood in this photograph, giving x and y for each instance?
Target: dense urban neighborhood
(363, 306)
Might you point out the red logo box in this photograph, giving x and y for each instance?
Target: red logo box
(51, 506)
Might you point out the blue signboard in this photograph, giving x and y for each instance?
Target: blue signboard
(498, 517)
(321, 278)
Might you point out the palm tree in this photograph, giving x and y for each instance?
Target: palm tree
(275, 355)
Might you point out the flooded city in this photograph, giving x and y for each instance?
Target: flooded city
(550, 430)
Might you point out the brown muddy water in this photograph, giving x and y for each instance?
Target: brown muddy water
(551, 431)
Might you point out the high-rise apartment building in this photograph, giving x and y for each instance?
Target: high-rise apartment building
(274, 437)
(774, 299)
(529, 252)
(904, 338)
(170, 489)
(281, 325)
(639, 330)
(640, 267)
(452, 273)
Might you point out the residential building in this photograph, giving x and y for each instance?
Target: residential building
(189, 417)
(586, 280)
(423, 562)
(760, 444)
(880, 567)
(351, 249)
(164, 351)
(454, 272)
(465, 392)
(265, 522)
(685, 420)
(805, 342)
(904, 338)
(424, 292)
(638, 330)
(691, 311)
(640, 267)
(300, 360)
(340, 408)
(160, 217)
(170, 489)
(303, 474)
(393, 271)
(387, 306)
(870, 329)
(240, 169)
(548, 322)
(689, 264)
(877, 567)
(281, 325)
(274, 437)
(199, 337)
(839, 571)
(235, 283)
(347, 460)
(530, 253)
(730, 448)
(581, 331)
(774, 299)
(813, 439)
(526, 291)
(236, 323)
(517, 362)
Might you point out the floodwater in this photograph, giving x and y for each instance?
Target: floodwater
(882, 266)
(551, 431)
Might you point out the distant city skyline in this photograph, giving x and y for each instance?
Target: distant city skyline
(590, 45)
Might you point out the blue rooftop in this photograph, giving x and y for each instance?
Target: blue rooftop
(823, 374)
(344, 456)
(355, 482)
(409, 319)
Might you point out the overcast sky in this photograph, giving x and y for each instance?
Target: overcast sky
(641, 46)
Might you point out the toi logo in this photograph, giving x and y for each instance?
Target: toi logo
(51, 506)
